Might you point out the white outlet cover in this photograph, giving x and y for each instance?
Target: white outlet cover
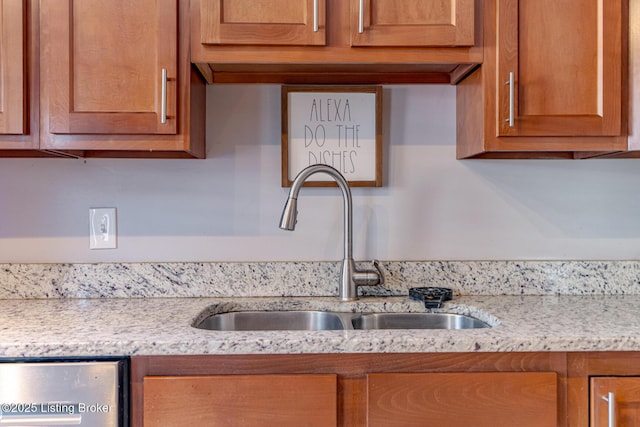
(102, 228)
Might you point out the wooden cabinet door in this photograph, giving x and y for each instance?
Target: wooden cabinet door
(523, 399)
(566, 59)
(240, 400)
(412, 23)
(111, 65)
(625, 407)
(12, 67)
(263, 22)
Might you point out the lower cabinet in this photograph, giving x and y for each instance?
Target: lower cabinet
(240, 400)
(604, 389)
(487, 399)
(580, 389)
(405, 390)
(615, 401)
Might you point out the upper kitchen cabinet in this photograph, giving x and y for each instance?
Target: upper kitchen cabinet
(116, 79)
(633, 145)
(412, 23)
(13, 91)
(336, 41)
(264, 22)
(553, 81)
(18, 80)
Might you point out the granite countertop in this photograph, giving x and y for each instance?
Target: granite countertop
(60, 327)
(62, 310)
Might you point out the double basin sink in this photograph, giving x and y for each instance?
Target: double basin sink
(312, 320)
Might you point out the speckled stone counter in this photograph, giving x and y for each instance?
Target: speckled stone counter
(150, 326)
(127, 309)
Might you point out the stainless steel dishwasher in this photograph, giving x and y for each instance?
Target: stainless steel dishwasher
(64, 393)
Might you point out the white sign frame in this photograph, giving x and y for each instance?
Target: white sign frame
(336, 125)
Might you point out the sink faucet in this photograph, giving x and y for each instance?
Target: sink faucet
(350, 276)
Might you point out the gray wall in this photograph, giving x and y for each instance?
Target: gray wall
(226, 208)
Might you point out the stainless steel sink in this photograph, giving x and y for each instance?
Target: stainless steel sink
(310, 320)
(273, 321)
(417, 321)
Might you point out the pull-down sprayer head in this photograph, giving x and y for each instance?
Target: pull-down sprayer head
(289, 215)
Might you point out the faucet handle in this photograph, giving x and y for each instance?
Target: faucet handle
(368, 277)
(376, 265)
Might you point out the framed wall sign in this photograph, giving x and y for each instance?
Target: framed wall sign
(340, 126)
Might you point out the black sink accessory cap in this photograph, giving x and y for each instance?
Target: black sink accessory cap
(431, 296)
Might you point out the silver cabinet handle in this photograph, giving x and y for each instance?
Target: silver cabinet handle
(611, 400)
(361, 17)
(511, 85)
(163, 98)
(316, 26)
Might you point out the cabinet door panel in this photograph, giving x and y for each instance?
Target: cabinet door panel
(241, 400)
(627, 401)
(12, 67)
(412, 23)
(566, 58)
(263, 22)
(106, 65)
(463, 399)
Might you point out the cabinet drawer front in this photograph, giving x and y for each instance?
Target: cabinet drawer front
(463, 399)
(241, 400)
(412, 23)
(263, 22)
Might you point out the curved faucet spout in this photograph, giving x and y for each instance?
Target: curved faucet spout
(290, 212)
(351, 277)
